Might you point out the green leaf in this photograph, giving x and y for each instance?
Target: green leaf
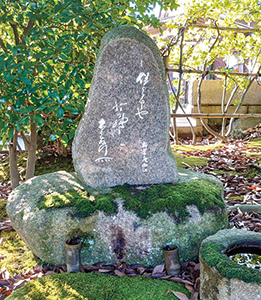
(37, 119)
(2, 124)
(66, 68)
(60, 112)
(10, 133)
(20, 101)
(65, 139)
(68, 84)
(15, 51)
(49, 69)
(25, 120)
(71, 133)
(78, 20)
(63, 56)
(73, 110)
(26, 80)
(40, 68)
(25, 110)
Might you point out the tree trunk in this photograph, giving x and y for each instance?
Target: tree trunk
(30, 167)
(62, 150)
(13, 161)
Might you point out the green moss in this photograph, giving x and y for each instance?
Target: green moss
(190, 160)
(249, 172)
(95, 286)
(252, 172)
(227, 172)
(189, 148)
(18, 257)
(49, 164)
(163, 197)
(255, 143)
(85, 203)
(212, 254)
(171, 198)
(3, 214)
(257, 155)
(237, 198)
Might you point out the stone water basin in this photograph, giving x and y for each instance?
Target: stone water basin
(224, 279)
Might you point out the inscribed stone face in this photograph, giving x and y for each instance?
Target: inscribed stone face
(123, 135)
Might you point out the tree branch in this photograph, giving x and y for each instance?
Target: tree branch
(177, 100)
(239, 105)
(2, 44)
(16, 34)
(199, 93)
(29, 26)
(202, 120)
(223, 106)
(26, 141)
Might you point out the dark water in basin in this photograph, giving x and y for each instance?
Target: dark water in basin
(245, 254)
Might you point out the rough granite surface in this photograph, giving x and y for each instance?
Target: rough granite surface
(110, 237)
(123, 136)
(215, 286)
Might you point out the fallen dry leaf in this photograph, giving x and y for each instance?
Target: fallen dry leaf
(189, 287)
(180, 295)
(119, 273)
(194, 296)
(158, 269)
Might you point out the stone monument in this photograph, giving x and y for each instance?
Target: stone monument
(123, 136)
(127, 198)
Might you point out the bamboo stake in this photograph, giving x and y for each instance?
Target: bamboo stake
(236, 29)
(210, 72)
(205, 26)
(216, 116)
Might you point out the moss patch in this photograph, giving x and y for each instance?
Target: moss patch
(95, 286)
(171, 198)
(85, 203)
(212, 254)
(237, 198)
(189, 148)
(3, 214)
(255, 143)
(252, 172)
(190, 160)
(18, 257)
(164, 197)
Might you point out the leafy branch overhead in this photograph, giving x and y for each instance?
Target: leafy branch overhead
(47, 55)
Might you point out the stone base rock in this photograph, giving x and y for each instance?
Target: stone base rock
(222, 279)
(242, 124)
(123, 223)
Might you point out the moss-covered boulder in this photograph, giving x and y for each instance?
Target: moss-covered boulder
(223, 279)
(129, 223)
